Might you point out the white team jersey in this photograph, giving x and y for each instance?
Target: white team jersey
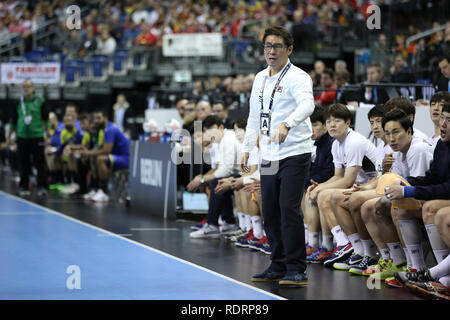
(214, 154)
(253, 157)
(421, 135)
(382, 150)
(433, 141)
(417, 161)
(356, 150)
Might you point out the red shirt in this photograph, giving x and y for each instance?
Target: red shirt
(326, 97)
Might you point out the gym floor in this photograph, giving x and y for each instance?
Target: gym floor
(67, 248)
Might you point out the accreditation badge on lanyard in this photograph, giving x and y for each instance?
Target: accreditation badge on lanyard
(266, 117)
(27, 118)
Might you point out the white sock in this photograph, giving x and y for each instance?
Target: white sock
(410, 231)
(327, 242)
(241, 217)
(306, 233)
(396, 252)
(439, 247)
(355, 240)
(442, 269)
(340, 236)
(385, 254)
(370, 249)
(445, 281)
(408, 258)
(416, 254)
(257, 227)
(313, 239)
(248, 222)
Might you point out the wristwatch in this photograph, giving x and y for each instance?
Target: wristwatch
(286, 125)
(202, 180)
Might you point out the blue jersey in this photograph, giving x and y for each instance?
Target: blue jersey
(121, 144)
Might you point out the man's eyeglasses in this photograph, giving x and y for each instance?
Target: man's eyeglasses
(276, 46)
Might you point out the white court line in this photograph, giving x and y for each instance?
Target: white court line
(110, 235)
(145, 246)
(154, 229)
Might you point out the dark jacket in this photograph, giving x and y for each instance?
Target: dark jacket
(443, 84)
(436, 182)
(322, 168)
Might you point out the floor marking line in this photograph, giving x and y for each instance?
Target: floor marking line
(154, 229)
(145, 246)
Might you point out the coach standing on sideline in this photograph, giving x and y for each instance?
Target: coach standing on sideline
(28, 120)
(280, 105)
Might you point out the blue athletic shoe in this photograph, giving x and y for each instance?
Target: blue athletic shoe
(294, 278)
(268, 276)
(339, 254)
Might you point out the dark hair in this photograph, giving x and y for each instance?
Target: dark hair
(401, 103)
(440, 96)
(343, 74)
(446, 107)
(375, 65)
(280, 32)
(376, 111)
(101, 110)
(83, 116)
(444, 56)
(339, 111)
(210, 121)
(241, 123)
(72, 105)
(329, 72)
(400, 116)
(318, 114)
(220, 102)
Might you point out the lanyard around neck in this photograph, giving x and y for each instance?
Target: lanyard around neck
(24, 110)
(285, 70)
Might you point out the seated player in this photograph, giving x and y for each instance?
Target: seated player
(412, 158)
(346, 205)
(354, 158)
(434, 188)
(219, 204)
(436, 104)
(425, 285)
(113, 153)
(322, 169)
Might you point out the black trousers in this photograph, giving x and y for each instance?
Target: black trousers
(31, 152)
(282, 192)
(220, 205)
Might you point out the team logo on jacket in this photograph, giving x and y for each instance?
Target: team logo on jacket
(280, 89)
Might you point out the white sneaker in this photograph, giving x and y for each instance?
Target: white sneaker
(206, 232)
(227, 228)
(100, 196)
(88, 196)
(72, 188)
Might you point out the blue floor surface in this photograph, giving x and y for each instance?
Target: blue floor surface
(46, 255)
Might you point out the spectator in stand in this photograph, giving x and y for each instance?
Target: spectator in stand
(4, 32)
(89, 45)
(344, 95)
(401, 72)
(444, 81)
(319, 67)
(106, 44)
(327, 82)
(340, 65)
(180, 107)
(220, 110)
(132, 31)
(372, 94)
(120, 112)
(381, 54)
